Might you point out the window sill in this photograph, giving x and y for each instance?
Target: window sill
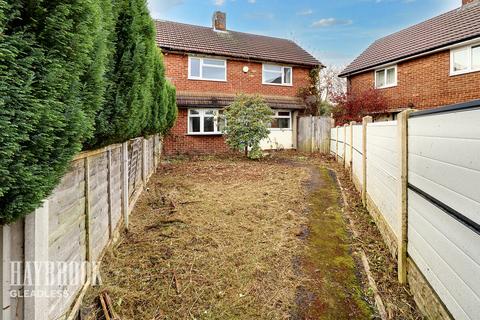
(279, 129)
(461, 73)
(204, 134)
(214, 80)
(277, 84)
(386, 87)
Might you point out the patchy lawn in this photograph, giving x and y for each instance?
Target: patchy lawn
(236, 239)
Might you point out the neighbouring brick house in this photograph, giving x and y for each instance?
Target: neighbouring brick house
(433, 63)
(209, 66)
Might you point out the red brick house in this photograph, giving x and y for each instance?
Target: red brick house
(209, 66)
(433, 63)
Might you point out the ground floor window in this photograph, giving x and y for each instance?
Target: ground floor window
(281, 120)
(205, 121)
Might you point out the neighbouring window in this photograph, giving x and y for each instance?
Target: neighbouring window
(277, 75)
(205, 121)
(385, 78)
(207, 69)
(281, 120)
(465, 59)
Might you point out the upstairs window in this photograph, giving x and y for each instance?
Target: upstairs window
(281, 120)
(277, 75)
(385, 78)
(205, 121)
(465, 59)
(207, 69)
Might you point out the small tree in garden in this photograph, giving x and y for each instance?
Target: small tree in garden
(248, 119)
(353, 106)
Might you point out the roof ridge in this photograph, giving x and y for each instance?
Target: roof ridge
(234, 31)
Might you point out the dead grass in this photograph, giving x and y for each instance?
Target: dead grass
(210, 239)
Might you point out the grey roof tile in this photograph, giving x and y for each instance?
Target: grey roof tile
(446, 29)
(197, 39)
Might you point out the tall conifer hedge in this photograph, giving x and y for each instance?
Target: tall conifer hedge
(73, 74)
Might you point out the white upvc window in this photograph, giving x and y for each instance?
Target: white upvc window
(465, 59)
(386, 77)
(281, 120)
(205, 121)
(277, 75)
(207, 69)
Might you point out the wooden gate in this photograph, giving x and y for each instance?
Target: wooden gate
(314, 134)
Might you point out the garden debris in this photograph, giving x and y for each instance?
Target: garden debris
(107, 306)
(227, 255)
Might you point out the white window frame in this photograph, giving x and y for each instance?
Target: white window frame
(201, 115)
(283, 75)
(470, 68)
(277, 116)
(385, 73)
(190, 77)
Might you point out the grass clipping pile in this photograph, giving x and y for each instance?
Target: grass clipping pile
(211, 239)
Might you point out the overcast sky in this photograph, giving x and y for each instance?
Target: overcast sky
(334, 31)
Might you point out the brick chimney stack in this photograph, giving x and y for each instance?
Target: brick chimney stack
(464, 2)
(219, 20)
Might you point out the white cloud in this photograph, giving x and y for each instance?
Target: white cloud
(252, 1)
(219, 2)
(159, 8)
(306, 12)
(328, 22)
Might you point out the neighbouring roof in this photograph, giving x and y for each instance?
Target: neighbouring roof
(215, 100)
(455, 26)
(197, 39)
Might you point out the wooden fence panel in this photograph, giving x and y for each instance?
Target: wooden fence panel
(78, 220)
(99, 206)
(314, 134)
(67, 232)
(116, 185)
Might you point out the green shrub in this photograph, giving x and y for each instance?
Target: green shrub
(247, 121)
(172, 110)
(51, 86)
(130, 100)
(73, 74)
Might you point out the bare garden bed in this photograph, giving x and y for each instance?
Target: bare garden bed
(229, 238)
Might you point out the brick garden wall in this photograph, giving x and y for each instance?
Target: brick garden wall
(424, 82)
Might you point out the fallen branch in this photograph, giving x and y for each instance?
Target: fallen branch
(107, 306)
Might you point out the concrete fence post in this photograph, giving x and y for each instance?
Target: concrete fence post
(144, 162)
(352, 123)
(111, 227)
(5, 251)
(36, 258)
(125, 183)
(365, 121)
(336, 149)
(402, 131)
(345, 130)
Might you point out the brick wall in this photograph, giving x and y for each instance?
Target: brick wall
(178, 142)
(424, 82)
(176, 66)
